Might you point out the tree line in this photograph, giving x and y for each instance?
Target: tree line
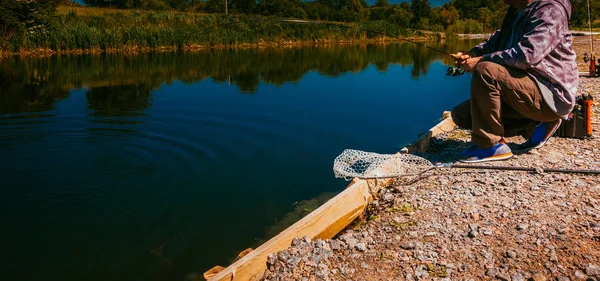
(485, 15)
(33, 24)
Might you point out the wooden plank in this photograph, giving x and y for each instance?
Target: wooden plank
(324, 222)
(422, 143)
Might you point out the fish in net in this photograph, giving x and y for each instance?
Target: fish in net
(369, 165)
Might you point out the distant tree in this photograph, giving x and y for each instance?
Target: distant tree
(318, 11)
(448, 16)
(243, 6)
(484, 16)
(580, 11)
(380, 13)
(405, 6)
(18, 17)
(139, 4)
(353, 10)
(401, 16)
(283, 8)
(468, 8)
(215, 6)
(466, 26)
(382, 3)
(420, 9)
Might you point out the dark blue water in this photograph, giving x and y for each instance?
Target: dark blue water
(160, 166)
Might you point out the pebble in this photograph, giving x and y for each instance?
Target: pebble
(492, 272)
(408, 245)
(522, 226)
(361, 247)
(335, 245)
(538, 277)
(580, 275)
(517, 277)
(592, 270)
(388, 197)
(503, 277)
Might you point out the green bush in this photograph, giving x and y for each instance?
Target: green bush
(468, 26)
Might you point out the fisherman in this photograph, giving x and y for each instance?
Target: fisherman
(524, 80)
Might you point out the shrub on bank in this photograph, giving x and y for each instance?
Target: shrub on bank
(468, 26)
(143, 29)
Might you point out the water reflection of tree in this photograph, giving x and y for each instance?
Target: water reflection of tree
(23, 89)
(121, 84)
(119, 100)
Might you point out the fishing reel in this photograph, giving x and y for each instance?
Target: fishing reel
(455, 70)
(594, 68)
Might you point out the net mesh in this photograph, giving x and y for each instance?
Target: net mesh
(355, 163)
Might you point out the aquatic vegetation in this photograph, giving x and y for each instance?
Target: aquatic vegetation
(93, 30)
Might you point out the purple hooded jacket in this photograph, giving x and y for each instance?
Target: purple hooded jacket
(543, 48)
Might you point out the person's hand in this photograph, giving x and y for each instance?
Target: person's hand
(469, 64)
(460, 56)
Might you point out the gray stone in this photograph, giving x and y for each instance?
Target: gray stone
(487, 231)
(592, 270)
(388, 197)
(364, 265)
(335, 245)
(553, 256)
(293, 262)
(522, 226)
(503, 276)
(283, 256)
(511, 254)
(517, 277)
(408, 245)
(421, 273)
(580, 275)
(492, 272)
(351, 242)
(361, 247)
(271, 259)
(538, 277)
(321, 244)
(563, 278)
(296, 241)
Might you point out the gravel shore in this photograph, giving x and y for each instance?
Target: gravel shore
(459, 224)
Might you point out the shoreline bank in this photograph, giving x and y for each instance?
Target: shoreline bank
(134, 50)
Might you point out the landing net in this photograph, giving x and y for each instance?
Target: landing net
(369, 165)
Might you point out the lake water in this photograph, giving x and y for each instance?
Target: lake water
(160, 166)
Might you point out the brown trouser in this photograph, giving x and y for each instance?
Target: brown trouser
(505, 102)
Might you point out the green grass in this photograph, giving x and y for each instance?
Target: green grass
(89, 11)
(99, 29)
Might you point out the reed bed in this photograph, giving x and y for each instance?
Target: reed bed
(90, 30)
